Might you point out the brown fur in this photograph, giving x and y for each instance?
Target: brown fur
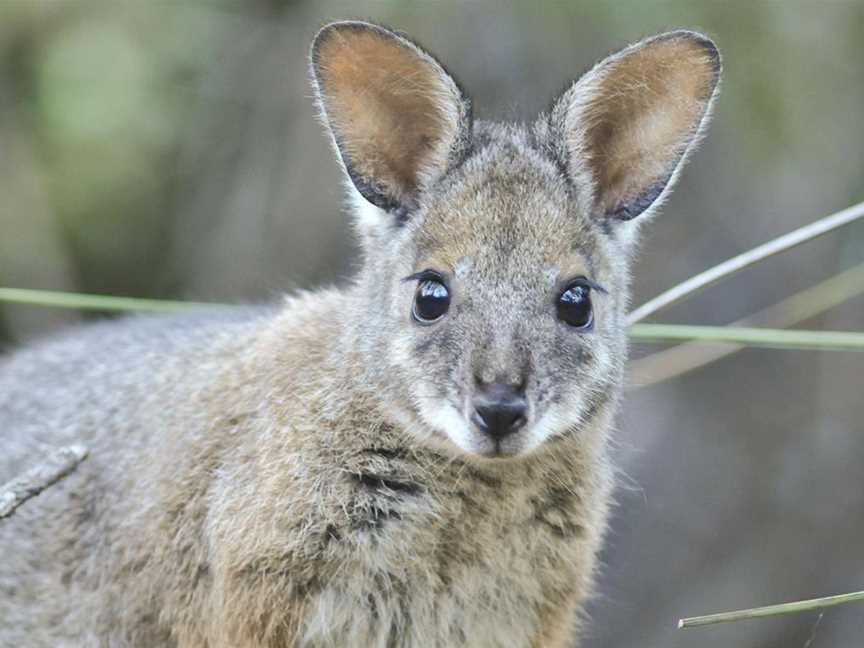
(559, 624)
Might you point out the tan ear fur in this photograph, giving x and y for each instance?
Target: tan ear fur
(394, 112)
(634, 117)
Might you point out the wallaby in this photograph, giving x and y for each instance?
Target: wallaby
(417, 457)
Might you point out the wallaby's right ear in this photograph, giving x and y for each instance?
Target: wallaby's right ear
(625, 128)
(397, 118)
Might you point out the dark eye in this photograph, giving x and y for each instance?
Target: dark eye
(431, 301)
(574, 306)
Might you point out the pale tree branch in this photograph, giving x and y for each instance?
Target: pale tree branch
(52, 469)
(746, 259)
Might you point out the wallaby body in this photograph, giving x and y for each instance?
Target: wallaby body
(417, 458)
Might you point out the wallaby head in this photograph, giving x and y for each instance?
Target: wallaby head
(491, 306)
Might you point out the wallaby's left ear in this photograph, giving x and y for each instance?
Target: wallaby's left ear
(396, 116)
(626, 127)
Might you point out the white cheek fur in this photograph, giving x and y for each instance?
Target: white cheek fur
(552, 421)
(440, 415)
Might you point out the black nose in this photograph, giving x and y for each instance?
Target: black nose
(499, 410)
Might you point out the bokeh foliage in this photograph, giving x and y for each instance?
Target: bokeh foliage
(170, 149)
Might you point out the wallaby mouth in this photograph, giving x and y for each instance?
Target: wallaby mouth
(501, 451)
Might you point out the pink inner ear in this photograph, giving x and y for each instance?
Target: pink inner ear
(389, 106)
(645, 111)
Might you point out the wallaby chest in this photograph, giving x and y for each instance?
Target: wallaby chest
(429, 547)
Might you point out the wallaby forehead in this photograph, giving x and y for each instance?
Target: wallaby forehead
(505, 203)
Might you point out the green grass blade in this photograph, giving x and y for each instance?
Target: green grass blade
(84, 301)
(758, 337)
(746, 259)
(790, 311)
(761, 337)
(771, 610)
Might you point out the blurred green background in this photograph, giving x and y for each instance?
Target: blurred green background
(171, 149)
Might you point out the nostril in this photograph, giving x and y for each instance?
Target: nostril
(479, 419)
(517, 422)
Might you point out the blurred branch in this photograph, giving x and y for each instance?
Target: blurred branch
(771, 610)
(772, 338)
(808, 303)
(746, 259)
(758, 337)
(98, 302)
(55, 467)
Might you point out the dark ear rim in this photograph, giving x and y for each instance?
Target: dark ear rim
(653, 196)
(371, 192)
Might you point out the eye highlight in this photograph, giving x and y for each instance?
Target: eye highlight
(432, 299)
(573, 306)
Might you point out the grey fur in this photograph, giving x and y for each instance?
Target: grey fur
(287, 476)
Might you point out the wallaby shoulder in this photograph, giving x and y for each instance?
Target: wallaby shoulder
(158, 401)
